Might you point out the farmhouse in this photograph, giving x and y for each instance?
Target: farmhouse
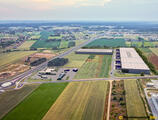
(131, 62)
(95, 51)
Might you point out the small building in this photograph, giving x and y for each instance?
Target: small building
(95, 51)
(48, 71)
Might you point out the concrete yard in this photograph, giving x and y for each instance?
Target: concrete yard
(68, 75)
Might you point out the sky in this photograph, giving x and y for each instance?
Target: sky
(76, 10)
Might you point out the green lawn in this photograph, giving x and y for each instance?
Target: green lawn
(107, 42)
(134, 103)
(36, 105)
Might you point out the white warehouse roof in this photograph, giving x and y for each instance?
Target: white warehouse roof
(96, 50)
(131, 60)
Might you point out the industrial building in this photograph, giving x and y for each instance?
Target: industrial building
(95, 51)
(131, 62)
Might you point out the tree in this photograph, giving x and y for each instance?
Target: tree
(58, 62)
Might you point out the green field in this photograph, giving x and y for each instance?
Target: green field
(88, 69)
(134, 103)
(96, 68)
(35, 37)
(26, 45)
(105, 66)
(7, 58)
(80, 101)
(64, 44)
(36, 105)
(8, 100)
(78, 42)
(107, 42)
(137, 44)
(43, 42)
(76, 60)
(55, 37)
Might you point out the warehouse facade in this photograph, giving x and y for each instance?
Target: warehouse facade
(95, 51)
(131, 62)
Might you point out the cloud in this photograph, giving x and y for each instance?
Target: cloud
(46, 5)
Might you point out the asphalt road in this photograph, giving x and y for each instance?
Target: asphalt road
(98, 79)
(43, 65)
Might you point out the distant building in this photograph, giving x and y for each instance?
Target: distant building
(131, 62)
(95, 51)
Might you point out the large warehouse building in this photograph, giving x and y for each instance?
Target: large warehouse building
(95, 51)
(131, 62)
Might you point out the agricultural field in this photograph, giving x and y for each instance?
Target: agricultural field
(7, 58)
(55, 37)
(12, 98)
(78, 42)
(76, 60)
(107, 42)
(26, 45)
(44, 42)
(139, 44)
(12, 70)
(98, 66)
(35, 37)
(154, 50)
(134, 103)
(64, 44)
(80, 101)
(37, 103)
(121, 74)
(152, 55)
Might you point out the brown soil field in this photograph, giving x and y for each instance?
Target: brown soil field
(13, 69)
(43, 55)
(154, 60)
(36, 56)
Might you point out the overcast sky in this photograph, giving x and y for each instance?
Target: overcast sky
(104, 10)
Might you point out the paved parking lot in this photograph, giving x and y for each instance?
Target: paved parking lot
(69, 74)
